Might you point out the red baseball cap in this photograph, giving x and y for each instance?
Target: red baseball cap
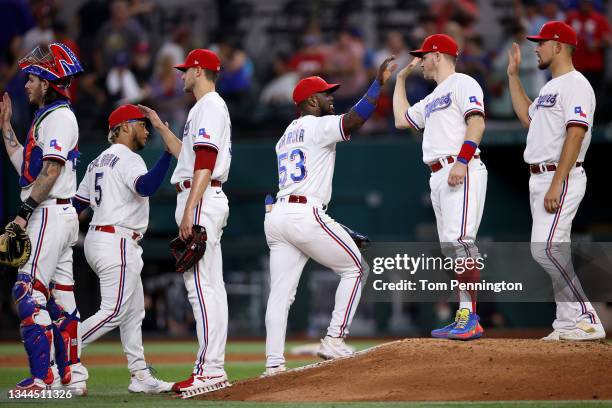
(201, 58)
(125, 113)
(438, 42)
(556, 31)
(310, 86)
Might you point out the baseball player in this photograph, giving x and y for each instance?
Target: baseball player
(297, 228)
(204, 157)
(452, 121)
(559, 122)
(43, 292)
(117, 187)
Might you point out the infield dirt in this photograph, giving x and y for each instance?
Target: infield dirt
(444, 370)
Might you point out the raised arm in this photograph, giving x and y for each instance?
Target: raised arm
(358, 114)
(172, 142)
(14, 149)
(400, 101)
(520, 100)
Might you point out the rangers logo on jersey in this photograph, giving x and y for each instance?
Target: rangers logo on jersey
(437, 104)
(546, 101)
(202, 132)
(54, 145)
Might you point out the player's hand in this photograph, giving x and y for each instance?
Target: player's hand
(385, 70)
(150, 114)
(22, 223)
(404, 72)
(553, 197)
(6, 109)
(457, 174)
(186, 225)
(514, 59)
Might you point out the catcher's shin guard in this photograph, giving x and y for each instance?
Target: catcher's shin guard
(65, 328)
(35, 328)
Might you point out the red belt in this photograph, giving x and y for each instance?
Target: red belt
(543, 167)
(437, 165)
(184, 185)
(62, 201)
(297, 199)
(111, 230)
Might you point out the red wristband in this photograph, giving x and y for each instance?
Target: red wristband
(467, 152)
(206, 157)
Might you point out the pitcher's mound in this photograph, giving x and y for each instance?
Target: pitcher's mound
(444, 370)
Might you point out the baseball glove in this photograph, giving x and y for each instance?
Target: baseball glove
(187, 254)
(15, 246)
(360, 239)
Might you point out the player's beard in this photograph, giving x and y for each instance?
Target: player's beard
(544, 64)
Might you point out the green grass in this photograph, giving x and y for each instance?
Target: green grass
(108, 384)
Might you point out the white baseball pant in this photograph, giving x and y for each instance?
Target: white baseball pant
(204, 282)
(117, 260)
(550, 246)
(296, 232)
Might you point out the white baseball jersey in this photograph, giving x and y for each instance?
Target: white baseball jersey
(442, 115)
(306, 155)
(53, 136)
(567, 99)
(208, 124)
(109, 186)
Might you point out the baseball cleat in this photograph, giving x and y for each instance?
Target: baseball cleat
(144, 381)
(213, 382)
(334, 347)
(31, 384)
(204, 384)
(467, 326)
(584, 332)
(553, 336)
(274, 370)
(445, 331)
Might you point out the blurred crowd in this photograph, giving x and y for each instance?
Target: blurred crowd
(128, 61)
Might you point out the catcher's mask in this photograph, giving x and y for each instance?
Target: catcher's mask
(56, 63)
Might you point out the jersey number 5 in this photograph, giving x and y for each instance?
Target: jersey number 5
(98, 188)
(297, 160)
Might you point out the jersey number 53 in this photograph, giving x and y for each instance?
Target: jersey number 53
(291, 165)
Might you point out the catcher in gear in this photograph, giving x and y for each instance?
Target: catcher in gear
(15, 246)
(46, 164)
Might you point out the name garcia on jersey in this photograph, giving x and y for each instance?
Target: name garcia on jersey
(292, 136)
(437, 104)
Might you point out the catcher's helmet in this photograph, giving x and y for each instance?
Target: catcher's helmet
(55, 63)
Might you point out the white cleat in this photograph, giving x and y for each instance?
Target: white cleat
(584, 332)
(270, 371)
(334, 347)
(144, 381)
(204, 384)
(553, 336)
(78, 388)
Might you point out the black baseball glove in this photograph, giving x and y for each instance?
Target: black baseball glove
(187, 254)
(360, 239)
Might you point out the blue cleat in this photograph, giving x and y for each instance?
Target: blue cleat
(445, 331)
(467, 326)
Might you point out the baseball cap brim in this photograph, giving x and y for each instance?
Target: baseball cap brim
(418, 53)
(182, 67)
(331, 88)
(537, 38)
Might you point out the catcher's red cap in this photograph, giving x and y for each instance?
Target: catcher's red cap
(201, 58)
(310, 86)
(437, 43)
(125, 113)
(556, 31)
